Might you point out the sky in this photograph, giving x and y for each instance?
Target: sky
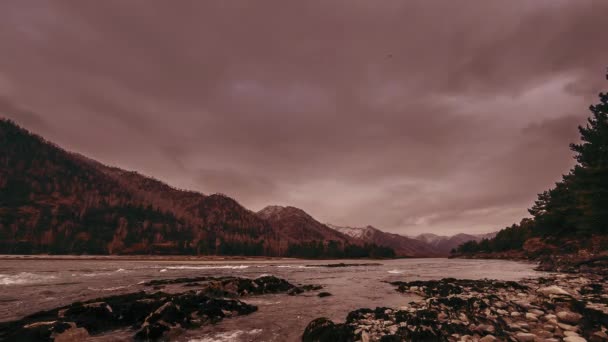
(412, 116)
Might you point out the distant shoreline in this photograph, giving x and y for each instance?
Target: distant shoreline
(180, 258)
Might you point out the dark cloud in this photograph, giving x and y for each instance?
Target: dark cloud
(25, 117)
(411, 116)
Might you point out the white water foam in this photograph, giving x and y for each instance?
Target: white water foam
(24, 278)
(396, 271)
(96, 274)
(232, 267)
(227, 336)
(109, 288)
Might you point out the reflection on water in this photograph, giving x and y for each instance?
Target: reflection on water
(27, 286)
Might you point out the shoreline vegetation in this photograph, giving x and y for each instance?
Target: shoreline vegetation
(568, 230)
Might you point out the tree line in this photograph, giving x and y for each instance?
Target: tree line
(577, 206)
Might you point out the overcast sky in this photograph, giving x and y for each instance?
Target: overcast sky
(411, 116)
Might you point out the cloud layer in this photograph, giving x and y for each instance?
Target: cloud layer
(412, 116)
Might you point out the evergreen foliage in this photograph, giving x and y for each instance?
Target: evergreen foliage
(577, 206)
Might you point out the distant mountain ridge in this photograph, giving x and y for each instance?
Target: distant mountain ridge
(403, 246)
(424, 244)
(445, 244)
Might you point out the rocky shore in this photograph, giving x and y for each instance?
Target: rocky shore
(562, 307)
(152, 315)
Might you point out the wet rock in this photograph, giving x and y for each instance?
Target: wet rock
(153, 316)
(324, 330)
(295, 291)
(324, 294)
(94, 317)
(568, 317)
(73, 334)
(469, 310)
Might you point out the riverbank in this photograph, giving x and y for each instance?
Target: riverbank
(560, 307)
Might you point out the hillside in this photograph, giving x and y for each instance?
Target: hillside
(305, 233)
(58, 202)
(402, 245)
(297, 225)
(54, 201)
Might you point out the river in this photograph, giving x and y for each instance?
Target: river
(28, 285)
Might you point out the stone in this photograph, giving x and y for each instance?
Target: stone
(531, 317)
(568, 317)
(553, 290)
(324, 294)
(487, 338)
(549, 317)
(323, 329)
(599, 336)
(574, 339)
(152, 315)
(525, 337)
(566, 327)
(73, 334)
(537, 312)
(364, 336)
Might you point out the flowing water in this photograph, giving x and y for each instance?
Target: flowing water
(28, 285)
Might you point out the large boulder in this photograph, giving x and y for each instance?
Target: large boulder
(324, 330)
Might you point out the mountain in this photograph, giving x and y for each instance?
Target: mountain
(402, 245)
(58, 202)
(304, 234)
(445, 244)
(297, 225)
(55, 201)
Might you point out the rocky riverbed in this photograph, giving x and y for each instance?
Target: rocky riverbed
(152, 315)
(561, 307)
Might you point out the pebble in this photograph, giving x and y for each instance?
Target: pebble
(549, 327)
(553, 290)
(569, 317)
(537, 312)
(531, 317)
(525, 337)
(574, 339)
(567, 327)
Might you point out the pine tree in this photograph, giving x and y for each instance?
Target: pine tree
(591, 174)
